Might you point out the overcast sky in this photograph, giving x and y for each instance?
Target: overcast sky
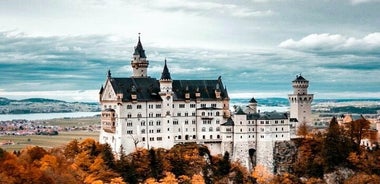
(63, 48)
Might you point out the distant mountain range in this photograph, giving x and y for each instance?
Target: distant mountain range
(42, 105)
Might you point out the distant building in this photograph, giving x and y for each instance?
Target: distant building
(141, 111)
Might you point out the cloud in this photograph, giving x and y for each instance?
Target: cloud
(335, 43)
(208, 8)
(355, 2)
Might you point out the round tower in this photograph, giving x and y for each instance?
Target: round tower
(252, 106)
(300, 102)
(139, 62)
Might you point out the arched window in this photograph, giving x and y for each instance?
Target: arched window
(204, 129)
(210, 129)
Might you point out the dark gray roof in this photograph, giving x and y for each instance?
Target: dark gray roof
(229, 122)
(139, 50)
(206, 88)
(253, 100)
(267, 116)
(240, 111)
(165, 73)
(147, 89)
(300, 78)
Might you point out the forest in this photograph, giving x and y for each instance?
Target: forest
(334, 152)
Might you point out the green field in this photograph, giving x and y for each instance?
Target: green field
(50, 141)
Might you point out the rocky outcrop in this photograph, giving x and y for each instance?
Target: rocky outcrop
(338, 176)
(284, 155)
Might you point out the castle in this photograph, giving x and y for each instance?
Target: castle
(141, 111)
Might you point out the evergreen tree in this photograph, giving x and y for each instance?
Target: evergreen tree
(336, 147)
(156, 167)
(224, 165)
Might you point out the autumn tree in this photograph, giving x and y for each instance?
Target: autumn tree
(155, 165)
(336, 146)
(303, 130)
(357, 130)
(262, 175)
(224, 166)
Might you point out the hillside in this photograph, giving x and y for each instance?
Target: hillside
(42, 105)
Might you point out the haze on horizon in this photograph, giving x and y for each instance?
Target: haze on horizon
(62, 49)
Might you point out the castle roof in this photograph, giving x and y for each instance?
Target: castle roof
(253, 100)
(139, 50)
(267, 116)
(229, 122)
(147, 89)
(165, 73)
(299, 78)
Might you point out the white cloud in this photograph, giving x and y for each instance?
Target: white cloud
(209, 8)
(363, 1)
(334, 43)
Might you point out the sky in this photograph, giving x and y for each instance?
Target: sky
(62, 49)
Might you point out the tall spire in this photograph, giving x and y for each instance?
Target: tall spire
(165, 73)
(139, 50)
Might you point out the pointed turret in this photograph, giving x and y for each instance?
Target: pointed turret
(139, 50)
(252, 106)
(139, 62)
(165, 73)
(109, 73)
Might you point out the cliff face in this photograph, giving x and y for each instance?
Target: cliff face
(284, 155)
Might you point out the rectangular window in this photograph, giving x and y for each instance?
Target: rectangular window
(129, 124)
(192, 105)
(129, 106)
(158, 106)
(175, 122)
(178, 114)
(158, 115)
(159, 138)
(181, 105)
(150, 106)
(213, 105)
(203, 105)
(138, 106)
(129, 131)
(151, 138)
(186, 114)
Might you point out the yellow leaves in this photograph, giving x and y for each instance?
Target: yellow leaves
(197, 179)
(262, 174)
(117, 180)
(169, 178)
(48, 162)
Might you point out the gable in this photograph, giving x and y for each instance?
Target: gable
(108, 92)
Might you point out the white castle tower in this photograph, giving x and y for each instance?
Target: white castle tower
(139, 62)
(300, 101)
